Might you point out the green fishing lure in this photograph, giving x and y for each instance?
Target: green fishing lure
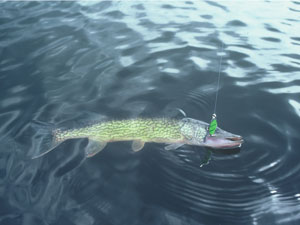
(213, 125)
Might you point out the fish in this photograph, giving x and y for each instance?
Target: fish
(173, 132)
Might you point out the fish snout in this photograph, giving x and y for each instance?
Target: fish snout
(227, 142)
(236, 138)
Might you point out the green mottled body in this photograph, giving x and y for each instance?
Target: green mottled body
(145, 130)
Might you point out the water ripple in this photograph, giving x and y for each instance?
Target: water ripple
(68, 62)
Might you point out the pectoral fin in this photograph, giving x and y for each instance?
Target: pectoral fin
(173, 146)
(94, 147)
(137, 145)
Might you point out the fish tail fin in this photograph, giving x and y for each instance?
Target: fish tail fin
(45, 138)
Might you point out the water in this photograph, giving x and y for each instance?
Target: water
(86, 61)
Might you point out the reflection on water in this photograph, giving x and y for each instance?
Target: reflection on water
(79, 62)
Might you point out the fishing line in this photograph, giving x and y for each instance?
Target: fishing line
(213, 123)
(218, 83)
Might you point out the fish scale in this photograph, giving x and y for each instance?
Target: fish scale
(147, 130)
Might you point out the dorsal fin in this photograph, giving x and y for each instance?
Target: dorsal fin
(181, 111)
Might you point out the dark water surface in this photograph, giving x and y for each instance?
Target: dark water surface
(76, 62)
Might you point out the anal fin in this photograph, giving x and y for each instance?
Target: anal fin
(94, 147)
(137, 145)
(173, 146)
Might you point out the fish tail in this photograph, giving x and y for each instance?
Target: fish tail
(46, 138)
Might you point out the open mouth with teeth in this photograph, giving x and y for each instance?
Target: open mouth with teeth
(222, 142)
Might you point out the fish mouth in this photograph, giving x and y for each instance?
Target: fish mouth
(235, 141)
(224, 142)
(236, 138)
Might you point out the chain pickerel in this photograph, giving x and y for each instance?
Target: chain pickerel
(172, 132)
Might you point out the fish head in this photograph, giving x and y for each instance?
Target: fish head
(222, 139)
(196, 132)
